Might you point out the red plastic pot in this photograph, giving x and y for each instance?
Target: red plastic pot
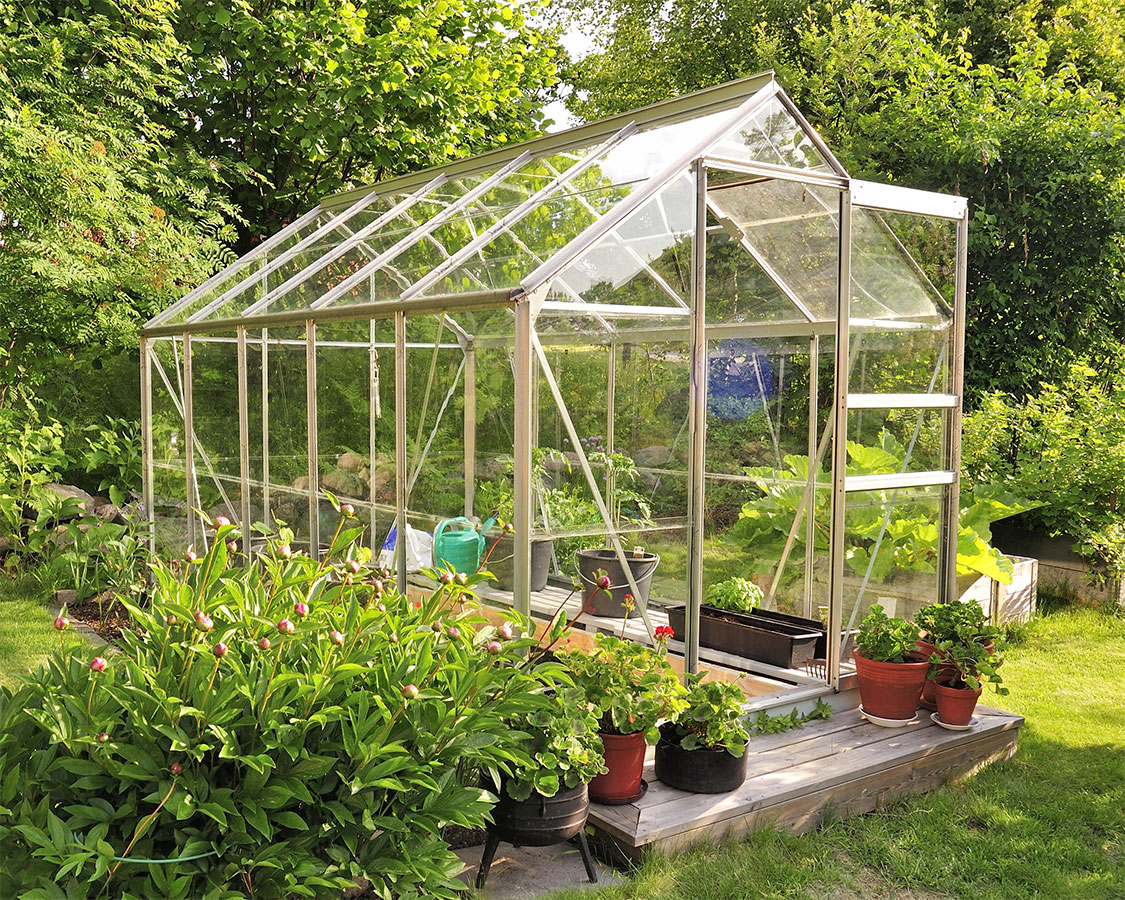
(625, 759)
(890, 690)
(955, 705)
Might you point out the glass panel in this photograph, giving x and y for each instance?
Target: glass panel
(255, 408)
(771, 135)
(900, 359)
(644, 261)
(882, 441)
(287, 440)
(886, 281)
(169, 472)
(738, 290)
(214, 366)
(890, 554)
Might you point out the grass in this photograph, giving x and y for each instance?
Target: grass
(27, 633)
(1049, 823)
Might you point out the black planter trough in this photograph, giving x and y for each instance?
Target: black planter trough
(539, 821)
(770, 637)
(698, 771)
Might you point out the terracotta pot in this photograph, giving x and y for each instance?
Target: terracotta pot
(955, 705)
(929, 698)
(625, 759)
(890, 690)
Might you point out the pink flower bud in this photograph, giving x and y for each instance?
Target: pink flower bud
(336, 637)
(232, 546)
(353, 566)
(220, 649)
(171, 621)
(98, 664)
(382, 607)
(191, 556)
(495, 647)
(454, 632)
(506, 631)
(377, 584)
(221, 522)
(348, 510)
(604, 582)
(509, 528)
(264, 643)
(103, 737)
(461, 578)
(61, 622)
(176, 768)
(203, 621)
(410, 691)
(300, 608)
(446, 578)
(285, 551)
(286, 627)
(437, 627)
(393, 637)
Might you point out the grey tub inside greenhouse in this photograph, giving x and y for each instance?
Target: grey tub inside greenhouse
(684, 328)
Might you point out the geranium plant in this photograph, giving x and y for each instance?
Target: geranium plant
(712, 718)
(968, 664)
(631, 685)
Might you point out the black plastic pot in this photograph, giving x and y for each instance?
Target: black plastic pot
(612, 602)
(502, 566)
(698, 771)
(769, 637)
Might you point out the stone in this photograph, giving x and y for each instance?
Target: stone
(5, 544)
(653, 457)
(350, 462)
(342, 482)
(108, 512)
(302, 483)
(67, 492)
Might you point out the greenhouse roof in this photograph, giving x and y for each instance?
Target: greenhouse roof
(604, 213)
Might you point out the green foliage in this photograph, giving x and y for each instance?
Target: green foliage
(949, 621)
(631, 685)
(562, 743)
(1063, 446)
(289, 749)
(712, 718)
(764, 723)
(734, 594)
(907, 540)
(885, 639)
(966, 662)
(113, 454)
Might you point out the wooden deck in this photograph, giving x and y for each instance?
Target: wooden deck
(843, 763)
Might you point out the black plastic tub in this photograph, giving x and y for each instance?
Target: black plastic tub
(699, 771)
(774, 638)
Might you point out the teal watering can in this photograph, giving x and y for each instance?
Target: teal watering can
(459, 545)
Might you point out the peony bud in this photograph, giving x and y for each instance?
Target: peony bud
(393, 637)
(604, 582)
(232, 546)
(509, 528)
(203, 621)
(171, 621)
(377, 584)
(506, 631)
(382, 607)
(221, 522)
(285, 551)
(176, 768)
(264, 643)
(103, 737)
(353, 566)
(495, 647)
(348, 510)
(461, 578)
(220, 649)
(446, 578)
(191, 556)
(61, 622)
(437, 627)
(300, 608)
(98, 664)
(336, 637)
(454, 632)
(286, 627)
(410, 691)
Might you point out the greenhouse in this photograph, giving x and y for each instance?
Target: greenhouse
(682, 342)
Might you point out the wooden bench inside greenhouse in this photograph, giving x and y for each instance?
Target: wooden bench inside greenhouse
(842, 764)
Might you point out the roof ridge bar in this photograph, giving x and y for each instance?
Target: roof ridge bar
(530, 204)
(336, 252)
(422, 231)
(283, 258)
(810, 132)
(599, 229)
(238, 265)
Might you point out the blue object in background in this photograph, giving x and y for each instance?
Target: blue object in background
(740, 379)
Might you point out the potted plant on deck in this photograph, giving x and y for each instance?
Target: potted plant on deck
(888, 668)
(633, 687)
(961, 620)
(959, 669)
(703, 749)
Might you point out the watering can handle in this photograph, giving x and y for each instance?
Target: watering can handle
(440, 530)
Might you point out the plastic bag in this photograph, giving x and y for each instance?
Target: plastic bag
(419, 549)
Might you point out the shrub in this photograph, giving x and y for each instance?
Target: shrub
(275, 729)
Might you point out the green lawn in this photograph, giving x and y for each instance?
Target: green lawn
(1050, 823)
(27, 634)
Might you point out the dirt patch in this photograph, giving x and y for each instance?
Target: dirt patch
(103, 614)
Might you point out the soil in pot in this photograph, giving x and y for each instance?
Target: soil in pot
(890, 690)
(955, 705)
(501, 565)
(699, 771)
(625, 760)
(612, 602)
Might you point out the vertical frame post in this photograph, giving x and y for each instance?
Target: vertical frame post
(265, 426)
(810, 506)
(840, 442)
(470, 428)
(372, 436)
(947, 588)
(244, 439)
(313, 445)
(189, 444)
(400, 449)
(610, 412)
(147, 487)
(697, 429)
(521, 487)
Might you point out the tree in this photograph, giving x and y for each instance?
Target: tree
(297, 99)
(103, 219)
(1015, 115)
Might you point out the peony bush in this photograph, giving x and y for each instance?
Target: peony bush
(267, 730)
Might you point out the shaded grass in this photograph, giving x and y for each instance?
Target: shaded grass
(1049, 823)
(27, 634)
